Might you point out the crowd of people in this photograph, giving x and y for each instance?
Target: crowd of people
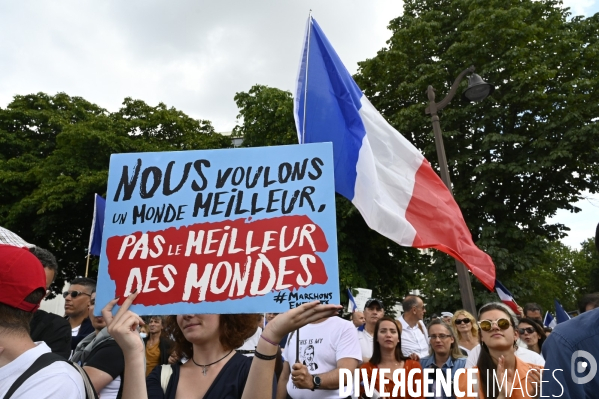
(297, 354)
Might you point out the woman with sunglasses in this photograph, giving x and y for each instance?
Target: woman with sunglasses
(532, 334)
(464, 325)
(499, 337)
(387, 354)
(214, 369)
(444, 352)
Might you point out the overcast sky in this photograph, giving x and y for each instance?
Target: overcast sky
(191, 55)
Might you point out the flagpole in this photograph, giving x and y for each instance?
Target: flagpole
(87, 264)
(306, 85)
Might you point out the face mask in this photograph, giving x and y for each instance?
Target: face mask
(143, 335)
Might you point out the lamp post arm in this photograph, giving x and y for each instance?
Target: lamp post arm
(434, 107)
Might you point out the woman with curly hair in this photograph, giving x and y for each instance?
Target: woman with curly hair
(214, 369)
(387, 354)
(464, 324)
(499, 336)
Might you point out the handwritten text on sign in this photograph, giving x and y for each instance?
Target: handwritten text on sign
(231, 231)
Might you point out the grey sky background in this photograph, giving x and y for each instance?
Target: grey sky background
(193, 55)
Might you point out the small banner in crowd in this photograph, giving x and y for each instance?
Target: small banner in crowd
(220, 231)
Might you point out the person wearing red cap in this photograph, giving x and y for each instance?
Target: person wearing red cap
(22, 288)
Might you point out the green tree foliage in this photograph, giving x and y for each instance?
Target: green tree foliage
(267, 115)
(563, 274)
(55, 153)
(517, 157)
(591, 257)
(366, 259)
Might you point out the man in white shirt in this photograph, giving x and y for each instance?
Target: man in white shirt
(414, 337)
(22, 288)
(373, 311)
(325, 347)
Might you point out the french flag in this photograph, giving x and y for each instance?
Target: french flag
(506, 297)
(549, 321)
(381, 172)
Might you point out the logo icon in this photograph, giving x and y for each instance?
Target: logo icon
(579, 364)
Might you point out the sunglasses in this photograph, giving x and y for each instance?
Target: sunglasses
(440, 336)
(527, 330)
(487, 325)
(462, 321)
(74, 294)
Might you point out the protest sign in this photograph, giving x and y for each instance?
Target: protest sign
(220, 231)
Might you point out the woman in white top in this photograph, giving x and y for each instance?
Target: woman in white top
(464, 324)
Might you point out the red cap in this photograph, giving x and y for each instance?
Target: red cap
(21, 273)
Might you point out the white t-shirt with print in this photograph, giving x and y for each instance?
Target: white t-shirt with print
(321, 346)
(59, 380)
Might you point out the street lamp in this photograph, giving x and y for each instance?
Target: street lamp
(477, 90)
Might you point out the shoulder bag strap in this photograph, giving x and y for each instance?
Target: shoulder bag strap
(43, 361)
(90, 391)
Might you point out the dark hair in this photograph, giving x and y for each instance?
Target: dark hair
(46, 258)
(532, 307)
(16, 321)
(588, 299)
(376, 352)
(234, 330)
(485, 363)
(409, 302)
(86, 282)
(158, 317)
(538, 328)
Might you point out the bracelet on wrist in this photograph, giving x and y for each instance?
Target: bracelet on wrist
(268, 340)
(264, 357)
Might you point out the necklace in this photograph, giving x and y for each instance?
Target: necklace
(205, 366)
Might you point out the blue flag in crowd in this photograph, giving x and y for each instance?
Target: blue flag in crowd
(352, 301)
(95, 237)
(560, 314)
(388, 179)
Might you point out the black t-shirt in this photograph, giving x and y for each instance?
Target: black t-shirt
(108, 357)
(228, 384)
(53, 330)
